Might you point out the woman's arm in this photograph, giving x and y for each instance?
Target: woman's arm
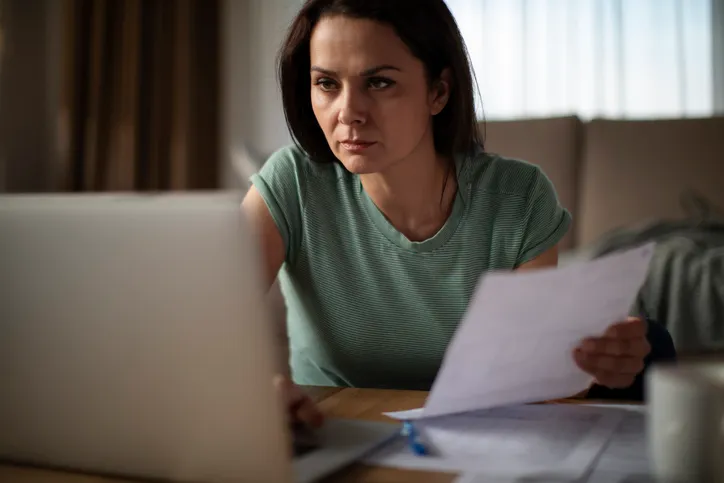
(271, 245)
(269, 239)
(547, 259)
(300, 405)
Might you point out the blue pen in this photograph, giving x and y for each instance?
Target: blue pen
(413, 439)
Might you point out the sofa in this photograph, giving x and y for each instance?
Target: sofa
(611, 173)
(626, 182)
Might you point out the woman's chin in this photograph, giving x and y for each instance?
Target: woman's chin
(362, 164)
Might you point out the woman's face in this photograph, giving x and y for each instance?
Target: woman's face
(370, 95)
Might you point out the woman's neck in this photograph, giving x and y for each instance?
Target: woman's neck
(415, 194)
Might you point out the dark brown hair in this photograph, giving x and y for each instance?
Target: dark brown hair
(427, 28)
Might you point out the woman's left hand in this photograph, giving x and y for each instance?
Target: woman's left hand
(615, 358)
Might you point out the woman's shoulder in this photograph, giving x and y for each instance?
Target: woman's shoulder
(292, 162)
(522, 203)
(288, 175)
(507, 176)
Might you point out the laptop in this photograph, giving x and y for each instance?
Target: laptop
(134, 341)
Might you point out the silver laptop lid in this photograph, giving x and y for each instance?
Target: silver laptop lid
(133, 339)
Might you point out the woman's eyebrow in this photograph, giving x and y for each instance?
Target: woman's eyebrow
(364, 73)
(377, 70)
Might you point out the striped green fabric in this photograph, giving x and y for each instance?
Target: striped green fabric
(366, 306)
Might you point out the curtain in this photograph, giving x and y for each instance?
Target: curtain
(140, 95)
(591, 58)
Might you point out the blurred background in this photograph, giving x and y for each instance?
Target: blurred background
(173, 94)
(621, 102)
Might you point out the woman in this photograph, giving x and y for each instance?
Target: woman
(387, 211)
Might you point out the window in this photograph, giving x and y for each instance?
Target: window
(592, 58)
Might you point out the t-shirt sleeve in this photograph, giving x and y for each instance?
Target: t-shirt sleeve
(280, 182)
(546, 221)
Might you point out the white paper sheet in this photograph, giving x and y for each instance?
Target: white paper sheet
(561, 441)
(624, 459)
(515, 344)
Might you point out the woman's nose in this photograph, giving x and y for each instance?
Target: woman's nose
(353, 108)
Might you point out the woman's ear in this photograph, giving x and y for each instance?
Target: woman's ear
(440, 93)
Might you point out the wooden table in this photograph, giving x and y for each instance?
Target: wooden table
(364, 404)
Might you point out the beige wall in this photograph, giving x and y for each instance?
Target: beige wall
(253, 115)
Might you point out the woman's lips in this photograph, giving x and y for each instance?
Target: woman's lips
(356, 146)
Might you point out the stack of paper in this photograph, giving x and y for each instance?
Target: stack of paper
(556, 441)
(515, 345)
(623, 460)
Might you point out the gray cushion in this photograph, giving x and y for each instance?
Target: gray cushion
(633, 171)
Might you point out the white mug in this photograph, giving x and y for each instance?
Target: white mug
(685, 421)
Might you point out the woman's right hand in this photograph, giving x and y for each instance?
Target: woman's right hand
(300, 407)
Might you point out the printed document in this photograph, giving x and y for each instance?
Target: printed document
(515, 344)
(557, 441)
(624, 458)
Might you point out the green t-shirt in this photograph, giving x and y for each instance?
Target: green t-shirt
(366, 306)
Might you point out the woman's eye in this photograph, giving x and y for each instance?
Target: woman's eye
(379, 83)
(326, 84)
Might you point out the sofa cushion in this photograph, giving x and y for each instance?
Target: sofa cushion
(633, 171)
(552, 144)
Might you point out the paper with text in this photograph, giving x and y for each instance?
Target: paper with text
(624, 459)
(515, 344)
(560, 441)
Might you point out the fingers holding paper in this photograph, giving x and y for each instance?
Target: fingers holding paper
(615, 358)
